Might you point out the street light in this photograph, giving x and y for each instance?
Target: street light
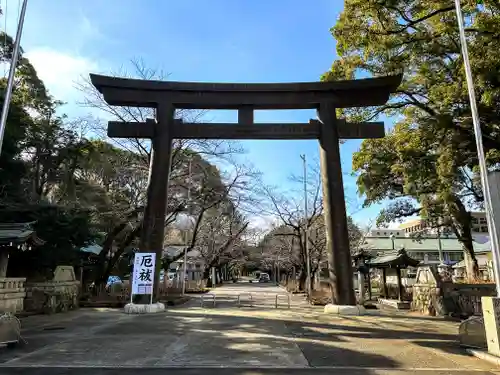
(483, 170)
(306, 231)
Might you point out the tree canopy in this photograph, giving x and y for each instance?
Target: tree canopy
(427, 163)
(81, 188)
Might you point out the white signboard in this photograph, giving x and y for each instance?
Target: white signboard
(144, 273)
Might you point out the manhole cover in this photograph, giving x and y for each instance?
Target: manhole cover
(53, 328)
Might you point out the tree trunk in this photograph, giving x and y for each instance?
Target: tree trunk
(462, 220)
(207, 277)
(103, 279)
(302, 281)
(102, 265)
(471, 266)
(313, 279)
(219, 275)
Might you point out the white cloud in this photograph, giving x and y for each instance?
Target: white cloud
(262, 222)
(59, 71)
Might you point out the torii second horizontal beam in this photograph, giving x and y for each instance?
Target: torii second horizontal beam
(182, 130)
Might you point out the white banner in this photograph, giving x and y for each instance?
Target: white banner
(143, 275)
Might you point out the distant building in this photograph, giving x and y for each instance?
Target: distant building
(428, 249)
(384, 232)
(194, 265)
(412, 227)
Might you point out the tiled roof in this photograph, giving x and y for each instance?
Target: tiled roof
(393, 259)
(18, 233)
(93, 248)
(411, 244)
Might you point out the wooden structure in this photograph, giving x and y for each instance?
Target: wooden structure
(15, 237)
(325, 97)
(360, 263)
(397, 260)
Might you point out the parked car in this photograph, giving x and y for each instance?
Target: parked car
(112, 280)
(264, 278)
(255, 278)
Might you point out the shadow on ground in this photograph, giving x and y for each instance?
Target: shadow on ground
(259, 338)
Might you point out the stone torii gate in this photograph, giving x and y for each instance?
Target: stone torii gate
(325, 97)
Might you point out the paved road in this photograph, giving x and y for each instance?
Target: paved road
(232, 339)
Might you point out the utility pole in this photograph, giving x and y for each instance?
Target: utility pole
(483, 169)
(12, 73)
(186, 237)
(306, 230)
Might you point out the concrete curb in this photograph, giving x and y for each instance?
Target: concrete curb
(481, 354)
(132, 308)
(344, 309)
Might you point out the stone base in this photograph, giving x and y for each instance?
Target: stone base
(132, 308)
(344, 309)
(471, 333)
(394, 303)
(481, 354)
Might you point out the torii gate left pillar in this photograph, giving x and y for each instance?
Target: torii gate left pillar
(153, 223)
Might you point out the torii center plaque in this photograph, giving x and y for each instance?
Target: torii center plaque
(325, 97)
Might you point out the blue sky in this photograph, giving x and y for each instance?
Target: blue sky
(194, 40)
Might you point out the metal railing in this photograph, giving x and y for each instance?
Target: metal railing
(210, 297)
(245, 294)
(287, 296)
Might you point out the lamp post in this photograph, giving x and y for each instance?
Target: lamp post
(306, 230)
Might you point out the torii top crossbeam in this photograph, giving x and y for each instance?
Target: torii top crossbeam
(198, 95)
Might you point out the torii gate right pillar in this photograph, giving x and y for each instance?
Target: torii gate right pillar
(337, 237)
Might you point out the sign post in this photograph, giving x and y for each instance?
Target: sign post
(143, 275)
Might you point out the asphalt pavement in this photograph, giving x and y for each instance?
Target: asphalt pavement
(250, 330)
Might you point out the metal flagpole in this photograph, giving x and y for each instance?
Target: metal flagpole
(12, 72)
(186, 234)
(495, 248)
(306, 231)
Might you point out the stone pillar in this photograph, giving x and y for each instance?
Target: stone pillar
(153, 228)
(369, 282)
(4, 262)
(400, 284)
(214, 278)
(361, 287)
(491, 305)
(491, 316)
(337, 238)
(384, 283)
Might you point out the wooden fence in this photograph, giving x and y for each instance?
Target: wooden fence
(120, 293)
